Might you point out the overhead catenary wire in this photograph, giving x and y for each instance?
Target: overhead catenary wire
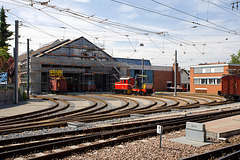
(154, 43)
(31, 24)
(169, 16)
(134, 49)
(77, 14)
(101, 20)
(223, 8)
(190, 14)
(68, 9)
(170, 37)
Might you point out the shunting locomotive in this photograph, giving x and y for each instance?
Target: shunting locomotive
(57, 82)
(134, 85)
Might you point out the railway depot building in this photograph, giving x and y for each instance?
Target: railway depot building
(206, 78)
(87, 68)
(162, 77)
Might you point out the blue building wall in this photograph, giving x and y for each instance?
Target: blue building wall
(149, 73)
(134, 61)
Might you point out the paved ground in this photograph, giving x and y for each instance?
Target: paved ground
(224, 127)
(24, 107)
(218, 126)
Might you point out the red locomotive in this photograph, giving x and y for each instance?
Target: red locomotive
(57, 83)
(231, 86)
(136, 85)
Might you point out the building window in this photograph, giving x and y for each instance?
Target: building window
(218, 69)
(196, 81)
(209, 70)
(203, 81)
(207, 81)
(212, 70)
(206, 70)
(197, 70)
(211, 81)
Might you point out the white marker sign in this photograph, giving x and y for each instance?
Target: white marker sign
(159, 129)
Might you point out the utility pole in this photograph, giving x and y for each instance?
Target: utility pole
(175, 74)
(16, 61)
(142, 71)
(27, 68)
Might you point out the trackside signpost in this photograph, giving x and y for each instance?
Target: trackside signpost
(160, 131)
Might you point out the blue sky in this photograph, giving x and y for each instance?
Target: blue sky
(200, 30)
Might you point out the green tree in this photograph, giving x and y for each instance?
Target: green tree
(5, 34)
(235, 58)
(4, 52)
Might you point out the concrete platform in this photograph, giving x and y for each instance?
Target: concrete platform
(224, 127)
(184, 140)
(24, 107)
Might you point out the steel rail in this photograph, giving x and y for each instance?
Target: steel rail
(134, 133)
(110, 127)
(40, 120)
(19, 116)
(234, 155)
(216, 153)
(36, 117)
(52, 122)
(63, 121)
(174, 122)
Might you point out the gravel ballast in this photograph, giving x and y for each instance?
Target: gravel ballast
(148, 149)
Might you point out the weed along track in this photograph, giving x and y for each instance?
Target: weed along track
(106, 120)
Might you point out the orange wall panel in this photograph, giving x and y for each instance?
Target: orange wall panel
(211, 89)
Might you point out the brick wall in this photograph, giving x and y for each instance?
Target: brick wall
(210, 89)
(161, 78)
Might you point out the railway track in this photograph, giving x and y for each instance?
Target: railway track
(92, 112)
(227, 153)
(55, 145)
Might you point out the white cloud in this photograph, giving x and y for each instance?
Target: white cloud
(126, 9)
(83, 1)
(130, 16)
(181, 36)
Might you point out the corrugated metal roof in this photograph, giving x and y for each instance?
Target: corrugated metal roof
(134, 61)
(42, 49)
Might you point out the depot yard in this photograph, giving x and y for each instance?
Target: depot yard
(109, 126)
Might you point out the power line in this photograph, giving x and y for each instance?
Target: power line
(223, 8)
(31, 24)
(180, 19)
(189, 14)
(169, 38)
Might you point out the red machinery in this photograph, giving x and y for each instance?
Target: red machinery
(58, 83)
(137, 85)
(230, 86)
(125, 85)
